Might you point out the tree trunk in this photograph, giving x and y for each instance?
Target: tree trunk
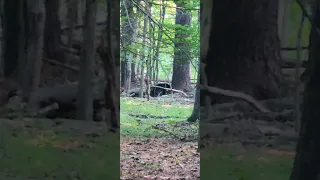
(283, 21)
(72, 18)
(244, 48)
(84, 110)
(307, 160)
(128, 31)
(159, 41)
(52, 34)
(123, 71)
(143, 54)
(196, 106)
(13, 30)
(112, 65)
(35, 29)
(133, 70)
(181, 61)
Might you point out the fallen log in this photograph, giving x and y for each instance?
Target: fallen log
(44, 112)
(237, 95)
(170, 89)
(65, 95)
(275, 105)
(66, 66)
(284, 116)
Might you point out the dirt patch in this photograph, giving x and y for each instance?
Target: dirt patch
(159, 159)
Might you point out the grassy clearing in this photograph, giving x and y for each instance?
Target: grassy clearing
(138, 117)
(230, 165)
(221, 163)
(34, 153)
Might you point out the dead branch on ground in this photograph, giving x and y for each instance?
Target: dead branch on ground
(235, 94)
(174, 90)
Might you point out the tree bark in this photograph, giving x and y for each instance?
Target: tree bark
(244, 49)
(85, 98)
(129, 35)
(143, 55)
(72, 18)
(196, 106)
(112, 65)
(283, 20)
(181, 61)
(159, 41)
(13, 31)
(35, 29)
(52, 35)
(307, 160)
(133, 70)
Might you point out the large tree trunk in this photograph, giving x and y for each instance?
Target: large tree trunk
(13, 31)
(72, 18)
(84, 110)
(181, 61)
(35, 29)
(112, 65)
(244, 48)
(52, 35)
(307, 160)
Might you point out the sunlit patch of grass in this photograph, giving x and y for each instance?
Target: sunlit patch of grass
(138, 117)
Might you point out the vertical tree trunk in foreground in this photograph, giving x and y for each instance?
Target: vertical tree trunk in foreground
(52, 37)
(35, 30)
(244, 48)
(85, 97)
(13, 28)
(307, 161)
(112, 65)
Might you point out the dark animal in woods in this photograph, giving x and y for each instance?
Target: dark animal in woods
(157, 91)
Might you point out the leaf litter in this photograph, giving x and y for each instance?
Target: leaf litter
(159, 158)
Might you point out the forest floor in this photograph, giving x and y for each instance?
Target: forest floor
(39, 149)
(156, 140)
(158, 143)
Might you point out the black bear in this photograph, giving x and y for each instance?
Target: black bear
(156, 91)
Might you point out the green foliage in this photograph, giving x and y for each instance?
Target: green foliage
(294, 23)
(168, 30)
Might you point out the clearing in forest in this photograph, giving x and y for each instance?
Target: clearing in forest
(158, 143)
(156, 140)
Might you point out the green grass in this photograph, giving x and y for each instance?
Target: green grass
(221, 163)
(226, 164)
(29, 153)
(139, 116)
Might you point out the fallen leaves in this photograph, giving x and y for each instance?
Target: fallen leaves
(159, 159)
